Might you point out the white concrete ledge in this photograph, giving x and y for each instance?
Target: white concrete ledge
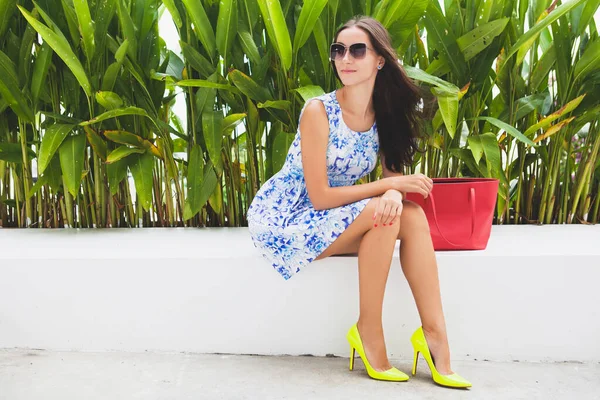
(532, 295)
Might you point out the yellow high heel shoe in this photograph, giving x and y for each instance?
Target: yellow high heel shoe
(355, 341)
(420, 345)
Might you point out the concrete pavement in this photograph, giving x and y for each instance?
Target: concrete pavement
(54, 375)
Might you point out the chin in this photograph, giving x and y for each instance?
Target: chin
(350, 81)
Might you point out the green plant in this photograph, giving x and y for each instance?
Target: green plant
(87, 89)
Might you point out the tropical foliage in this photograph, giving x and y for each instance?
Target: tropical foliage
(87, 90)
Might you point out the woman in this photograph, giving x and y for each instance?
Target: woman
(311, 210)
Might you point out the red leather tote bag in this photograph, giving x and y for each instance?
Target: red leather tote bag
(459, 211)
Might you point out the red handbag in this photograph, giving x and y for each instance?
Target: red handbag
(459, 212)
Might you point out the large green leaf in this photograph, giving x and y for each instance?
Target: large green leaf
(420, 75)
(116, 113)
(545, 122)
(281, 146)
(128, 28)
(109, 100)
(72, 153)
(476, 147)
(103, 16)
(250, 88)
(41, 66)
(205, 99)
(207, 84)
(308, 92)
(116, 172)
(29, 35)
(41, 181)
(589, 61)
(322, 44)
(141, 166)
(212, 126)
(588, 10)
(98, 144)
(277, 30)
(7, 9)
(277, 104)
(473, 42)
(196, 60)
(86, 27)
(9, 88)
(170, 4)
(401, 17)
(440, 34)
(406, 11)
(311, 10)
(202, 27)
(209, 184)
(542, 68)
(226, 27)
(249, 46)
(113, 70)
(53, 137)
(71, 18)
(466, 156)
(62, 48)
(129, 138)
(511, 130)
(122, 152)
(195, 173)
(448, 104)
(231, 121)
(525, 40)
(487, 144)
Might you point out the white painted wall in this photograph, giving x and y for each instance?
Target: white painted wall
(532, 295)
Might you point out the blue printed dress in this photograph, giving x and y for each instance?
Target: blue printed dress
(282, 221)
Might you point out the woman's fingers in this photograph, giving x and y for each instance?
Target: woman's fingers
(390, 216)
(377, 215)
(396, 218)
(386, 213)
(380, 212)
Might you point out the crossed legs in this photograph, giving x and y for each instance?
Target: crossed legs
(375, 246)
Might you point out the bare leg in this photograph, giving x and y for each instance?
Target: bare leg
(374, 260)
(375, 247)
(418, 261)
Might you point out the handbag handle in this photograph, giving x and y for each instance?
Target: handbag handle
(471, 201)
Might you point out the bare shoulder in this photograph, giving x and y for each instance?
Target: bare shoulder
(315, 108)
(314, 116)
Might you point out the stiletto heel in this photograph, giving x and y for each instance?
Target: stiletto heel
(420, 346)
(414, 369)
(392, 374)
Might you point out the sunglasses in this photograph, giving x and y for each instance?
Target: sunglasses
(357, 51)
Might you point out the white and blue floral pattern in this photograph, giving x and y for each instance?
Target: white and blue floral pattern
(282, 221)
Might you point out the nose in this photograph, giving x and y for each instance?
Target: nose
(346, 55)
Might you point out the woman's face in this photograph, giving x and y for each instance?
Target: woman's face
(351, 69)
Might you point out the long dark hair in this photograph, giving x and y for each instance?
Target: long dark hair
(395, 98)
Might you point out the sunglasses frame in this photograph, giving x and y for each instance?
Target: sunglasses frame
(348, 48)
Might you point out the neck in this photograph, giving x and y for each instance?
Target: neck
(357, 100)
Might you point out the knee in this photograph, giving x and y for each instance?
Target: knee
(413, 217)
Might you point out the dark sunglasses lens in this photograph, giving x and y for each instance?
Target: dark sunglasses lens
(337, 51)
(358, 50)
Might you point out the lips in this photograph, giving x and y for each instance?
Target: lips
(347, 71)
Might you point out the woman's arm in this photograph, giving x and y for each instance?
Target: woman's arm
(314, 139)
(387, 173)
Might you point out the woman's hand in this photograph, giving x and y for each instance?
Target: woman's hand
(388, 209)
(416, 183)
